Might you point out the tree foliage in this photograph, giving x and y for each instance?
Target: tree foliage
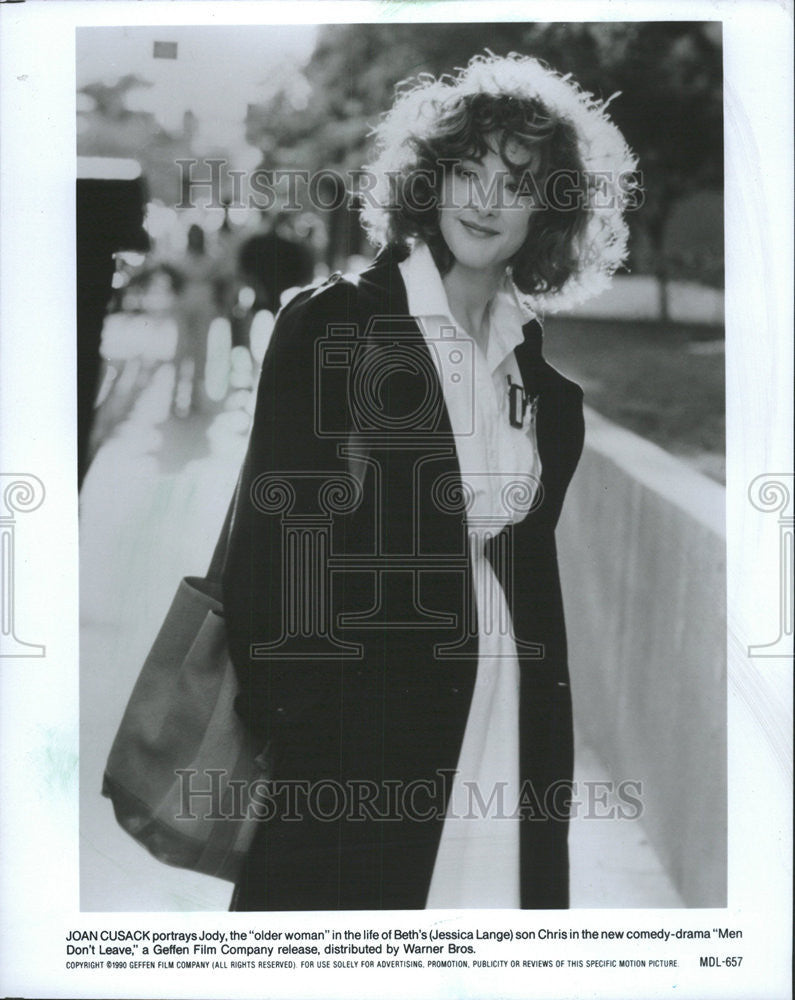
(669, 105)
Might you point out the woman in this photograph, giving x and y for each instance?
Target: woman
(391, 586)
(196, 308)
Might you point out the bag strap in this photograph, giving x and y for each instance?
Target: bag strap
(216, 567)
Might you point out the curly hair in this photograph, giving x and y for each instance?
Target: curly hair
(574, 243)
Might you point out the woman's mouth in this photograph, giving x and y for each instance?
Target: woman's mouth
(478, 230)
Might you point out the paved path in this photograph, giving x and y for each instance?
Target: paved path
(151, 508)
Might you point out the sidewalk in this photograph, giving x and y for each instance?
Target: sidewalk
(151, 508)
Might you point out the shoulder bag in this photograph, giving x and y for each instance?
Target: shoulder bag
(183, 769)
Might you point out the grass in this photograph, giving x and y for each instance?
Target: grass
(665, 382)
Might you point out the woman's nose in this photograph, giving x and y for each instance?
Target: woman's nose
(486, 195)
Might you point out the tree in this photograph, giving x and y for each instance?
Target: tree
(669, 75)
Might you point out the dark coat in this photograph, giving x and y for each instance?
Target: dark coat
(369, 524)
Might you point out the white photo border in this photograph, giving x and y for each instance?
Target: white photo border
(39, 710)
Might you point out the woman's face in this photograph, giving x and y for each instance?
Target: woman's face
(483, 216)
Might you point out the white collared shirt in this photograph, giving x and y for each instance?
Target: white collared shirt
(491, 452)
(477, 863)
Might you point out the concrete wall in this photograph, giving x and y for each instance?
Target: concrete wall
(642, 551)
(638, 297)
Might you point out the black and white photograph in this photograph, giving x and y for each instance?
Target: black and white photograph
(375, 292)
(421, 502)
